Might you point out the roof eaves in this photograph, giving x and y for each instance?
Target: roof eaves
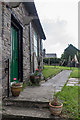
(30, 7)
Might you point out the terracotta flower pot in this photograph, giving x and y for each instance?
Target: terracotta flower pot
(55, 110)
(32, 78)
(16, 90)
(37, 79)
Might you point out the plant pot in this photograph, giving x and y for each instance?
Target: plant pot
(32, 78)
(55, 110)
(37, 79)
(16, 90)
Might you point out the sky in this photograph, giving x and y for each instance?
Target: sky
(59, 19)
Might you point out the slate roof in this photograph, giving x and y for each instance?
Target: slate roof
(51, 55)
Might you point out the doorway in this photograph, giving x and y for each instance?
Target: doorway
(16, 51)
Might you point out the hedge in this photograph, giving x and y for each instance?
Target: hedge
(51, 60)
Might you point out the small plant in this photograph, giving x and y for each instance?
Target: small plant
(55, 101)
(37, 72)
(16, 84)
(55, 105)
(36, 77)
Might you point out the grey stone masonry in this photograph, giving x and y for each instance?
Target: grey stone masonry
(6, 44)
(19, 12)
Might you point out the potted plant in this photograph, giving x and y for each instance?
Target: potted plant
(35, 77)
(32, 78)
(16, 89)
(55, 106)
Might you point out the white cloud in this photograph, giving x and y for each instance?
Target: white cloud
(59, 19)
(57, 37)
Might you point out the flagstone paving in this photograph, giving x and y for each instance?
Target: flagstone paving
(73, 82)
(46, 90)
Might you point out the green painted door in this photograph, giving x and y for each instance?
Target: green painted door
(14, 55)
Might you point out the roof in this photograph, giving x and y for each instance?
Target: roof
(50, 55)
(71, 46)
(30, 7)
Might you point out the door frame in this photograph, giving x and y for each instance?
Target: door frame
(19, 29)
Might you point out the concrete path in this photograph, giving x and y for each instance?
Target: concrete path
(46, 90)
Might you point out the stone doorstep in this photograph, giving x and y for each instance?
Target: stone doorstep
(9, 113)
(25, 103)
(27, 110)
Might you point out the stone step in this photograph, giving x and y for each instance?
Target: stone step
(25, 103)
(18, 113)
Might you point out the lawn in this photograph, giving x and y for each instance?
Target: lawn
(69, 95)
(75, 73)
(59, 67)
(48, 72)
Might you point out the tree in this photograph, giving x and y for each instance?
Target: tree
(70, 51)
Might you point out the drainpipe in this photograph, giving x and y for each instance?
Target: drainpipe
(30, 44)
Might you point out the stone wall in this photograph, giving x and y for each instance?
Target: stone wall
(6, 43)
(0, 51)
(19, 12)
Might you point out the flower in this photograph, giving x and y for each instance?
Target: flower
(14, 78)
(37, 69)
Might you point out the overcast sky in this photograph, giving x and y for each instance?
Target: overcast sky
(59, 19)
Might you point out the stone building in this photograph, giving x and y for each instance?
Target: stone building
(49, 55)
(22, 36)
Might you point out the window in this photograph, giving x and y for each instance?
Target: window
(35, 43)
(41, 46)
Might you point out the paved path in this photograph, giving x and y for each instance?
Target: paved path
(73, 82)
(45, 91)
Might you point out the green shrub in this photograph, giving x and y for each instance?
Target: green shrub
(52, 60)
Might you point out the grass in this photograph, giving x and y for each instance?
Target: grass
(50, 71)
(69, 95)
(61, 67)
(24, 86)
(75, 74)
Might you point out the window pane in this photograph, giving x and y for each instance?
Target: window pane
(35, 43)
